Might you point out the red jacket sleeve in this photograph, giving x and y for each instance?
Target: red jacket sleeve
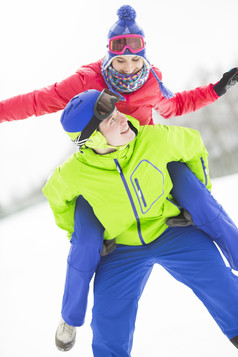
(186, 102)
(46, 100)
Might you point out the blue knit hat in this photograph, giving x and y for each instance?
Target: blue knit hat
(127, 25)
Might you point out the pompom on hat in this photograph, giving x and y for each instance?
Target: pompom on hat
(126, 25)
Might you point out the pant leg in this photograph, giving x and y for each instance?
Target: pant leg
(119, 282)
(196, 262)
(83, 258)
(186, 253)
(208, 215)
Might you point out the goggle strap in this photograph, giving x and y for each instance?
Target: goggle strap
(87, 131)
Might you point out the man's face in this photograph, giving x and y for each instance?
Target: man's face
(116, 129)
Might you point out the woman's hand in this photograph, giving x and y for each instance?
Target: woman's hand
(229, 79)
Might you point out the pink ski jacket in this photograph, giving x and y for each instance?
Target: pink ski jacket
(138, 104)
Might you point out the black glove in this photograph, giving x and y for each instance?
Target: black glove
(228, 79)
(108, 247)
(182, 220)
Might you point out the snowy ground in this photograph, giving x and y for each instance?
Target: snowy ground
(33, 251)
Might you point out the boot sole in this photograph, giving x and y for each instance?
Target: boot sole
(64, 347)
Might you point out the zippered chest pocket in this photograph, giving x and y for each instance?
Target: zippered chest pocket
(148, 183)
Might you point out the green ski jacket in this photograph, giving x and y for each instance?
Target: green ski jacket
(129, 189)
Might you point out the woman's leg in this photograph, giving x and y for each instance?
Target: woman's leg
(84, 255)
(196, 262)
(119, 282)
(207, 214)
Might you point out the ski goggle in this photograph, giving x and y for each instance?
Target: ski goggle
(103, 108)
(118, 44)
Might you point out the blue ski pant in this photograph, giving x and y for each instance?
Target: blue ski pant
(189, 256)
(83, 258)
(87, 239)
(208, 215)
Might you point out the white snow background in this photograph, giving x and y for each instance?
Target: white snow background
(33, 251)
(43, 42)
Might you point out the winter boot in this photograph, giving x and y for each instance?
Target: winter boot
(234, 340)
(65, 336)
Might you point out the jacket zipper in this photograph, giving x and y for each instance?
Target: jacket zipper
(204, 170)
(131, 200)
(140, 192)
